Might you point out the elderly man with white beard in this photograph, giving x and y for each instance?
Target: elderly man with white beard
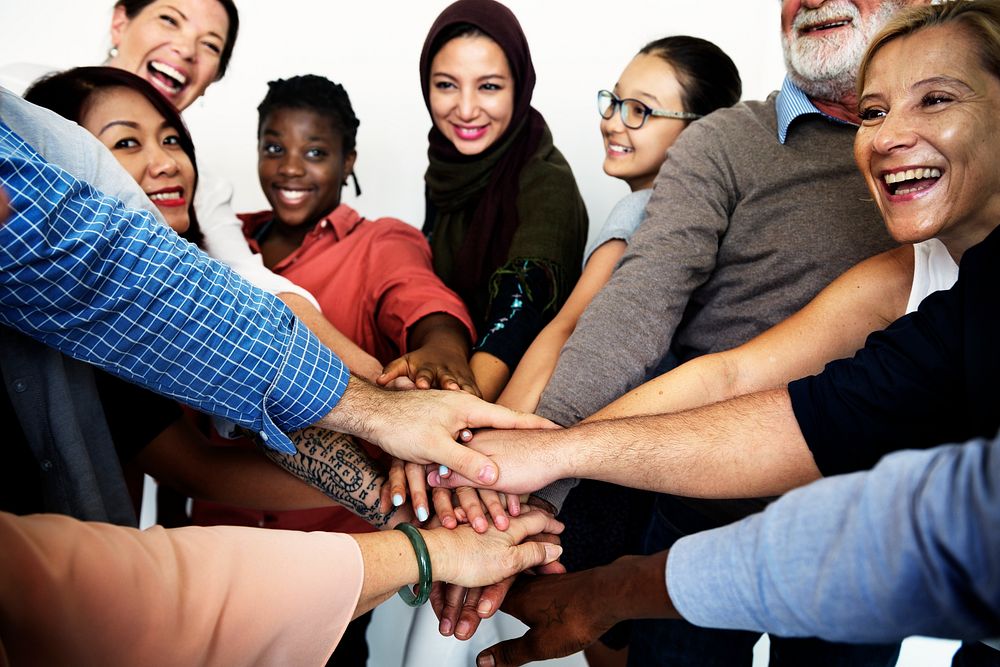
(757, 208)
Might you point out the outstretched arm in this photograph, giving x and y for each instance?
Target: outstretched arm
(748, 447)
(833, 325)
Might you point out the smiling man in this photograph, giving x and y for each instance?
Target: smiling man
(756, 209)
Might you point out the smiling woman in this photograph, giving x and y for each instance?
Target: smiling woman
(141, 129)
(179, 46)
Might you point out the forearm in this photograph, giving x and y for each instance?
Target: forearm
(359, 361)
(440, 330)
(338, 465)
(536, 366)
(748, 447)
(491, 374)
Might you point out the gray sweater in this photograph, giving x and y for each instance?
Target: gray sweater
(741, 231)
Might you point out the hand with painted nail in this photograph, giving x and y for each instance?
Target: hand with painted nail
(528, 460)
(421, 426)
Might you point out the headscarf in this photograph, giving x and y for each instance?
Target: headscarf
(473, 199)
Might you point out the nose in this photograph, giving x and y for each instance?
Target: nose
(813, 4)
(468, 104)
(614, 124)
(162, 163)
(894, 133)
(290, 165)
(185, 44)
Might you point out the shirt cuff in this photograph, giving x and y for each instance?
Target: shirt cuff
(555, 493)
(311, 381)
(708, 580)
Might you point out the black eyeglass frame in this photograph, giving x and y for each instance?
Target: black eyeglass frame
(647, 111)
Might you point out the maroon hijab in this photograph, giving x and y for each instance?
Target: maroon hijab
(493, 217)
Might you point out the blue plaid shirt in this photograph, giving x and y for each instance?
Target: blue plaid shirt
(111, 286)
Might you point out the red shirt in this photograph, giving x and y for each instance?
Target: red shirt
(374, 280)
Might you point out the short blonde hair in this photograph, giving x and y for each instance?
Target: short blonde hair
(980, 19)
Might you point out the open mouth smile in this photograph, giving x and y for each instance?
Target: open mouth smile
(831, 24)
(166, 77)
(910, 181)
(168, 197)
(618, 149)
(291, 196)
(468, 133)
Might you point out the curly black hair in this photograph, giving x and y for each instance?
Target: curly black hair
(313, 93)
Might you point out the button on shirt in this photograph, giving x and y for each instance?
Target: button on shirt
(112, 287)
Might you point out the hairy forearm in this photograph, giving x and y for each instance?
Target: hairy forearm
(750, 446)
(338, 465)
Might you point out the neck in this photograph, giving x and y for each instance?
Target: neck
(845, 109)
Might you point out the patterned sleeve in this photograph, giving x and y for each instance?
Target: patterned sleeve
(110, 286)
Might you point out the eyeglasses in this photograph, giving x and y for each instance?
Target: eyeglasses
(633, 112)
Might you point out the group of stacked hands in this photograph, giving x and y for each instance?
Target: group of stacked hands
(884, 547)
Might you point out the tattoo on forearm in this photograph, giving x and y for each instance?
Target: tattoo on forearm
(337, 465)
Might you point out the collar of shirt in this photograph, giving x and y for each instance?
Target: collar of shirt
(792, 103)
(341, 222)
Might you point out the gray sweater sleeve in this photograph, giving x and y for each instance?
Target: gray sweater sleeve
(628, 327)
(910, 547)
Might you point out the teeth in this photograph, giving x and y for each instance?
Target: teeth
(169, 71)
(911, 174)
(292, 195)
(617, 148)
(161, 196)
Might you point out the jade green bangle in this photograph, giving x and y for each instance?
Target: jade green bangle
(423, 567)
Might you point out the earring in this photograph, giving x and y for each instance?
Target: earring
(112, 53)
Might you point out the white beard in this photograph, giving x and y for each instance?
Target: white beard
(826, 67)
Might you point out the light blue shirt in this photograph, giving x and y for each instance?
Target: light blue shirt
(792, 103)
(911, 547)
(112, 286)
(622, 222)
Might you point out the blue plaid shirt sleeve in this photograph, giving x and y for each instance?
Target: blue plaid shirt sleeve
(110, 286)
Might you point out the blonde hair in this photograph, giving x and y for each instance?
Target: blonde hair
(980, 19)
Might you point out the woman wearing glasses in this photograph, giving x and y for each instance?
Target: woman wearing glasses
(670, 82)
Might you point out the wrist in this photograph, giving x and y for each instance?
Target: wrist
(437, 545)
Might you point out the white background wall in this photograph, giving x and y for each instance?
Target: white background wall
(372, 48)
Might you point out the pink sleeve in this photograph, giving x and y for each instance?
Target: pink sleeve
(408, 288)
(92, 593)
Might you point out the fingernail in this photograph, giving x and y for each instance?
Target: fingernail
(443, 471)
(397, 499)
(486, 661)
(465, 435)
(552, 551)
(445, 628)
(488, 475)
(462, 629)
(480, 525)
(485, 607)
(422, 514)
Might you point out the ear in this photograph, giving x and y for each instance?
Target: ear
(349, 164)
(119, 22)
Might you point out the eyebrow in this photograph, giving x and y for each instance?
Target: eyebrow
(126, 123)
(184, 16)
(934, 80)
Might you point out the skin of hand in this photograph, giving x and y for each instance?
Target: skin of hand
(438, 359)
(422, 426)
(461, 556)
(747, 447)
(567, 613)
(462, 609)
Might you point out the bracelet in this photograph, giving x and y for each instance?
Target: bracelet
(423, 567)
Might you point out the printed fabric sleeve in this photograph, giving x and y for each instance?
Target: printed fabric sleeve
(522, 301)
(74, 592)
(405, 287)
(112, 287)
(224, 239)
(911, 547)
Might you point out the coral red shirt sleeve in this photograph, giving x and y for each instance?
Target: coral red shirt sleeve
(91, 593)
(407, 287)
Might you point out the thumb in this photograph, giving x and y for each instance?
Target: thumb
(534, 554)
(510, 653)
(477, 467)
